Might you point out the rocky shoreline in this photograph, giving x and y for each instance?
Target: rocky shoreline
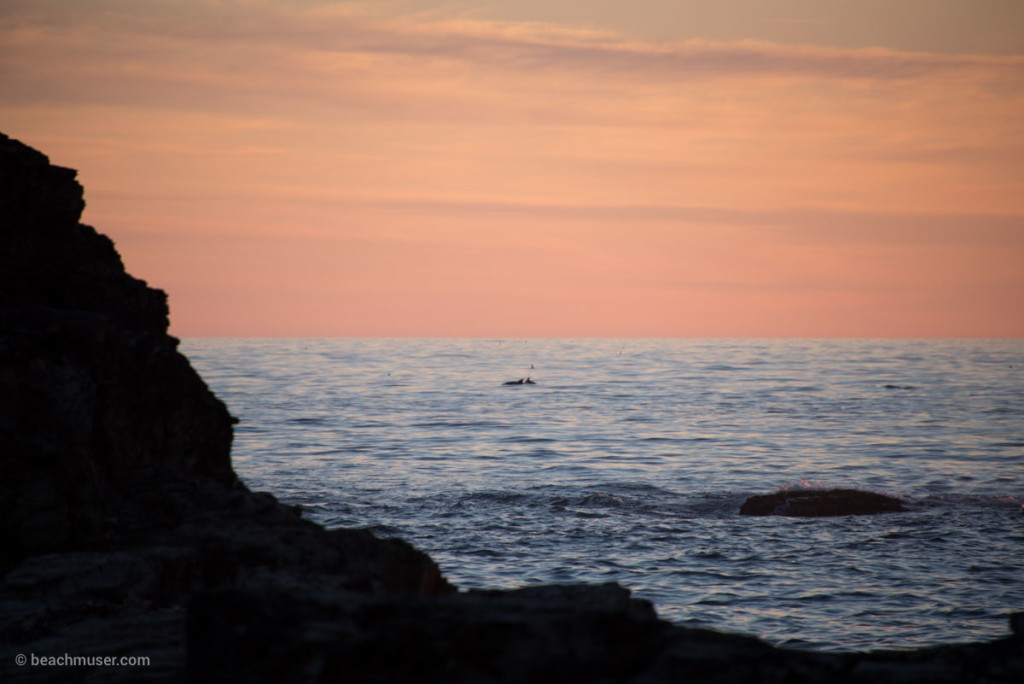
(126, 533)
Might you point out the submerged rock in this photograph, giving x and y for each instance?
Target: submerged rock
(820, 503)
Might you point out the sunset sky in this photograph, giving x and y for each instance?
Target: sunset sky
(515, 168)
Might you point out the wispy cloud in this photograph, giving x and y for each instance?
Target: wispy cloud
(538, 46)
(178, 52)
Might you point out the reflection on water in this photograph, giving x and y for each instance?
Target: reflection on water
(628, 462)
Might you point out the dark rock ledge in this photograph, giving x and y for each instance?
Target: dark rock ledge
(125, 531)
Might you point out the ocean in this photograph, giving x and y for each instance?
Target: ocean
(628, 460)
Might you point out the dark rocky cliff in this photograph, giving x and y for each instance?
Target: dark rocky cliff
(118, 497)
(125, 531)
(96, 405)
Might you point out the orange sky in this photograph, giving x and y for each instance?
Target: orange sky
(645, 168)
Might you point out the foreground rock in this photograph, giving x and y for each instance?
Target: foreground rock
(820, 503)
(542, 634)
(125, 532)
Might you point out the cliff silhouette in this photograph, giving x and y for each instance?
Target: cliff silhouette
(125, 531)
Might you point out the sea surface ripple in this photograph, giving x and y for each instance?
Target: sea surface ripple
(628, 460)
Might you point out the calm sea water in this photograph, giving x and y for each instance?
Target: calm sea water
(627, 461)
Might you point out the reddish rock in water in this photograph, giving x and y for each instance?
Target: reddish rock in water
(811, 503)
